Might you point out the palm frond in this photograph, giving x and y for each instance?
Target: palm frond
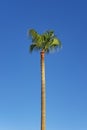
(46, 41)
(32, 33)
(56, 42)
(31, 48)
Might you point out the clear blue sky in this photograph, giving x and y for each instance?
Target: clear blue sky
(66, 71)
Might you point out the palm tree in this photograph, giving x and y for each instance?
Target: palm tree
(44, 43)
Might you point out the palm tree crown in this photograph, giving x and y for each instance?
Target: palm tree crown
(44, 42)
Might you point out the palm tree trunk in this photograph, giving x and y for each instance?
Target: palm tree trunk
(43, 102)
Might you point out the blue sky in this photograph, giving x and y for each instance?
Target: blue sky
(66, 71)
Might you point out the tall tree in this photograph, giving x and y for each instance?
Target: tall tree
(45, 43)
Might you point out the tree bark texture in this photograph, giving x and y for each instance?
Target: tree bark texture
(43, 102)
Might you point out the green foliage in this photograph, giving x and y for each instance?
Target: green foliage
(44, 42)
